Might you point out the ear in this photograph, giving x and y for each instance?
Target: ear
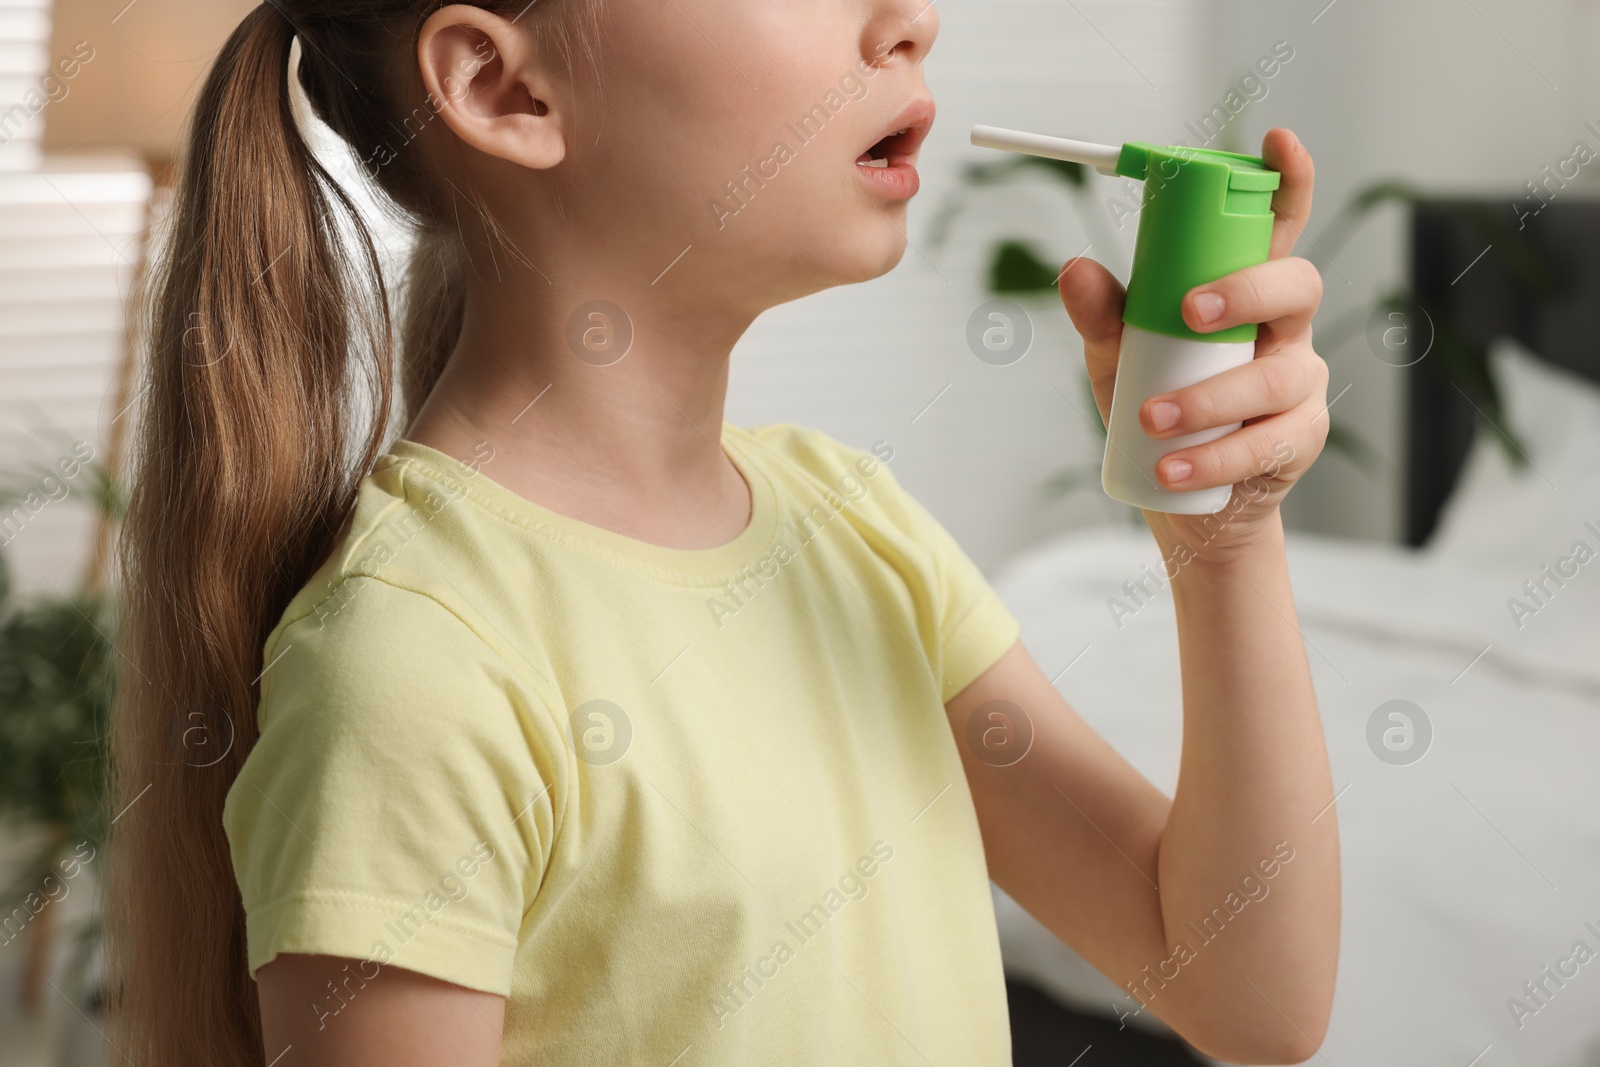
(486, 78)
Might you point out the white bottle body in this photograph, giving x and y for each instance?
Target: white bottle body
(1151, 364)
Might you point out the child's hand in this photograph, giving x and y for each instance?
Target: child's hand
(1281, 396)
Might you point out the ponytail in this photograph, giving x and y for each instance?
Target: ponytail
(268, 394)
(252, 441)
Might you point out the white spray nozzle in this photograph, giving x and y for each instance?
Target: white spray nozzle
(1102, 157)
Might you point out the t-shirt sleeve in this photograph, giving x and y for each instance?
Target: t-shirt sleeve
(400, 802)
(975, 628)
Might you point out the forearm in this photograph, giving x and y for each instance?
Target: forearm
(1254, 774)
(1254, 787)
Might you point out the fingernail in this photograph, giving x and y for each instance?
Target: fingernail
(1177, 470)
(1208, 307)
(1163, 415)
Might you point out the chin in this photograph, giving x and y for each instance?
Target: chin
(890, 259)
(870, 250)
(875, 253)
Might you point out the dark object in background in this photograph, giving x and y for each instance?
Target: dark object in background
(1045, 1034)
(1537, 282)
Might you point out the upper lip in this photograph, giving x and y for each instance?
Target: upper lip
(916, 120)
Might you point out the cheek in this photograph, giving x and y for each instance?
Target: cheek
(677, 121)
(690, 148)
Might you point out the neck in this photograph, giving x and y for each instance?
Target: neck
(630, 444)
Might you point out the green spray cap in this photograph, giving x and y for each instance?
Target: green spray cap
(1205, 214)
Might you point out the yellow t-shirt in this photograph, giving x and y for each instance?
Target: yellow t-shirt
(678, 806)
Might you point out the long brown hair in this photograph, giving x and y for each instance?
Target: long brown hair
(267, 393)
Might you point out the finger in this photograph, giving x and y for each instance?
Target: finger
(1265, 386)
(1280, 446)
(1282, 151)
(1093, 298)
(1282, 292)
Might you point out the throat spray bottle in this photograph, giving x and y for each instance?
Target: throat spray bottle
(1205, 214)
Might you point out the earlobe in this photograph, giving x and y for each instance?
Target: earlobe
(484, 77)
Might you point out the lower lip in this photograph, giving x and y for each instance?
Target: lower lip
(898, 181)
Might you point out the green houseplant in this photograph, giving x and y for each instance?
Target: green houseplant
(56, 685)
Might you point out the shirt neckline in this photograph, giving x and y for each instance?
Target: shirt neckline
(725, 559)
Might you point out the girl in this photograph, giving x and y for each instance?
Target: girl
(577, 726)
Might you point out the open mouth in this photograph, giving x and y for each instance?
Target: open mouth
(880, 154)
(899, 145)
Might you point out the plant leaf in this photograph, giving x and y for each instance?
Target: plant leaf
(1017, 269)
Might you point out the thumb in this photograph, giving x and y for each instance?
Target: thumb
(1093, 298)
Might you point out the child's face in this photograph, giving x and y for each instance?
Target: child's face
(780, 98)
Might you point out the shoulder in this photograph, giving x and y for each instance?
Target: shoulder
(368, 617)
(403, 627)
(399, 676)
(969, 626)
(398, 585)
(829, 469)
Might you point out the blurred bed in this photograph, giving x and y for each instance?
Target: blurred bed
(1471, 858)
